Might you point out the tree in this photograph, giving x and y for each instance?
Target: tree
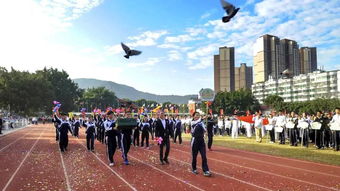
(100, 98)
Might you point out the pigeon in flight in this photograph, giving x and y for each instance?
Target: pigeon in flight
(129, 52)
(230, 9)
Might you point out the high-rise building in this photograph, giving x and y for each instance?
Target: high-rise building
(308, 59)
(243, 77)
(290, 57)
(224, 69)
(267, 53)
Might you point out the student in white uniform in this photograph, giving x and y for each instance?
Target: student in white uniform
(258, 126)
(234, 127)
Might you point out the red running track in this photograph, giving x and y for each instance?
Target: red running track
(30, 160)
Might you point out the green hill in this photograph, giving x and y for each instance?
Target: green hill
(123, 91)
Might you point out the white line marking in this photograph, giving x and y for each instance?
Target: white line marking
(279, 157)
(65, 172)
(14, 141)
(167, 173)
(265, 172)
(22, 162)
(281, 165)
(229, 177)
(133, 188)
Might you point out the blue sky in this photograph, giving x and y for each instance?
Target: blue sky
(178, 38)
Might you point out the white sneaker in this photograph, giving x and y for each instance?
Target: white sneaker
(111, 164)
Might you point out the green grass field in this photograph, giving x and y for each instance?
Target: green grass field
(327, 156)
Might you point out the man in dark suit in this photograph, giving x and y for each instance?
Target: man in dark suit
(164, 131)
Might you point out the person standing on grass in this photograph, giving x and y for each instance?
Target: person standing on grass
(1, 123)
(64, 128)
(234, 127)
(336, 134)
(271, 123)
(198, 144)
(220, 125)
(90, 133)
(258, 126)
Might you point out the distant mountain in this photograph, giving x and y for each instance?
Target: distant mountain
(123, 91)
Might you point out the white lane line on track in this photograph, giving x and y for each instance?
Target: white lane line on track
(281, 165)
(228, 177)
(14, 141)
(278, 157)
(265, 172)
(107, 166)
(193, 186)
(65, 172)
(22, 162)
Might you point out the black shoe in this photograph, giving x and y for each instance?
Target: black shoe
(194, 172)
(207, 174)
(166, 161)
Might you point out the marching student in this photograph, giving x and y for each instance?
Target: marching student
(336, 134)
(198, 145)
(76, 126)
(126, 142)
(210, 129)
(56, 125)
(64, 128)
(163, 131)
(178, 130)
(136, 132)
(90, 133)
(111, 134)
(145, 128)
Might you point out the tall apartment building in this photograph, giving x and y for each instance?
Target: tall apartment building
(243, 77)
(267, 52)
(305, 87)
(308, 59)
(224, 69)
(290, 57)
(272, 56)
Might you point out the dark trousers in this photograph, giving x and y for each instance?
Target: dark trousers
(56, 134)
(166, 144)
(152, 132)
(145, 136)
(178, 133)
(76, 131)
(119, 141)
(198, 145)
(63, 142)
(102, 139)
(210, 139)
(327, 136)
(0, 129)
(111, 147)
(125, 144)
(305, 136)
(319, 139)
(272, 135)
(336, 138)
(136, 138)
(293, 137)
(282, 137)
(90, 142)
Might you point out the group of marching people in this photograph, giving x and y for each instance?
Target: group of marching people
(297, 129)
(162, 129)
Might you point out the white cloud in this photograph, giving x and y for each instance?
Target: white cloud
(206, 15)
(147, 63)
(174, 55)
(147, 38)
(179, 38)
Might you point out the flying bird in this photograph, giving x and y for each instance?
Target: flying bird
(230, 9)
(129, 52)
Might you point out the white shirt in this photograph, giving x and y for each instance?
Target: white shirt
(163, 122)
(258, 121)
(336, 119)
(107, 125)
(281, 120)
